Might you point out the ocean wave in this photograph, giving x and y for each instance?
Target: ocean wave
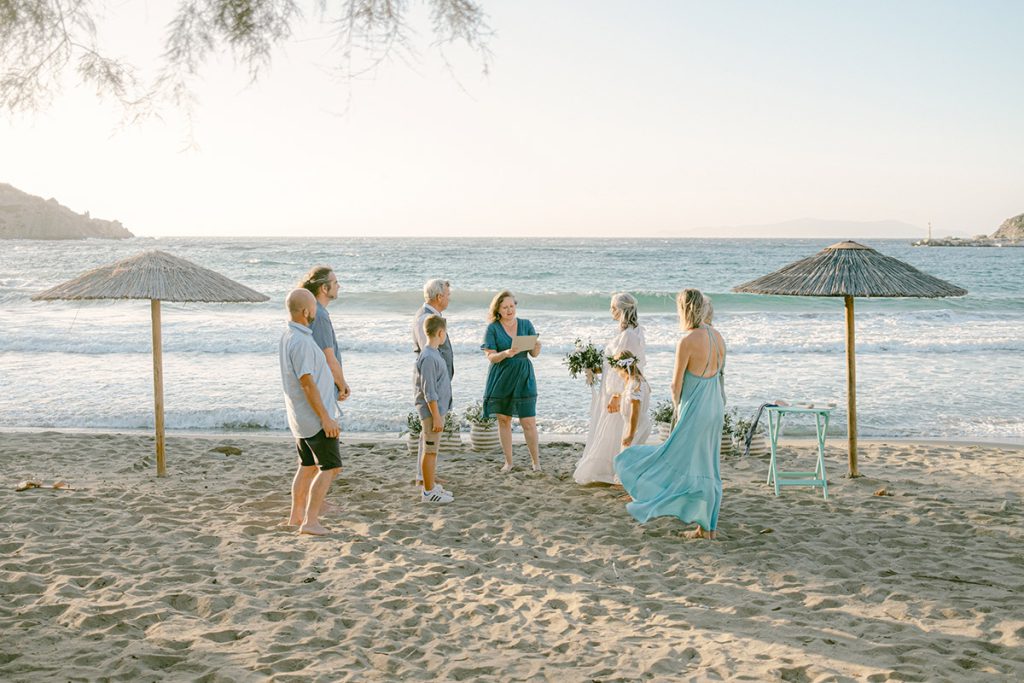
(275, 421)
(15, 292)
(659, 302)
(874, 348)
(218, 419)
(272, 421)
(403, 350)
(228, 331)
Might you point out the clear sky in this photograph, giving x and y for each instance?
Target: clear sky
(598, 118)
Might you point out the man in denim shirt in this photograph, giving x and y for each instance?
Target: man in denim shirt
(323, 284)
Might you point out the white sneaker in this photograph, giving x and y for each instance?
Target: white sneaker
(437, 495)
(441, 489)
(437, 487)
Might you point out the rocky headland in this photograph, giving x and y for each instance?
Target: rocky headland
(25, 216)
(1009, 234)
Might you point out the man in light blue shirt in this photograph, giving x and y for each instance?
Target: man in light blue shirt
(312, 413)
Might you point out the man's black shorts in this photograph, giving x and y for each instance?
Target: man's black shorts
(319, 449)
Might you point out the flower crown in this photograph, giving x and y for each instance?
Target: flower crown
(625, 360)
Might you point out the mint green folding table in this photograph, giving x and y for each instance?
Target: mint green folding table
(815, 478)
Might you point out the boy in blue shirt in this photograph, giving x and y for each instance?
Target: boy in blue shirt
(433, 400)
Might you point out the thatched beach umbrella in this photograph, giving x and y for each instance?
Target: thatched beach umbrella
(157, 276)
(849, 269)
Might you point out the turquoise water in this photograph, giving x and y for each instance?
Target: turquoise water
(926, 368)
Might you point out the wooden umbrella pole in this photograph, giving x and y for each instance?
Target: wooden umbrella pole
(851, 386)
(158, 388)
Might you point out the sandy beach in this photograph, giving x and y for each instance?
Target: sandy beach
(524, 577)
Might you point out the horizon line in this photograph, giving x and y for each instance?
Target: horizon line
(521, 237)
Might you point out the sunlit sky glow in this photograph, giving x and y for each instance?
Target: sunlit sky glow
(597, 119)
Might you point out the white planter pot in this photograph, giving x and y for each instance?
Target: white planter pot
(664, 429)
(484, 439)
(726, 441)
(450, 442)
(759, 446)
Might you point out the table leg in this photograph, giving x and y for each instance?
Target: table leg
(774, 421)
(821, 422)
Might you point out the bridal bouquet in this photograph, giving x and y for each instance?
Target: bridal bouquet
(583, 357)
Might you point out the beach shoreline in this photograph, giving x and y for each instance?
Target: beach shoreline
(517, 437)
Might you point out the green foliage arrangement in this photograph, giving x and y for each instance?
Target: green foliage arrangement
(663, 412)
(474, 414)
(412, 424)
(583, 357)
(727, 425)
(741, 426)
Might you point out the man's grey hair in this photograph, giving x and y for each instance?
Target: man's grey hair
(434, 288)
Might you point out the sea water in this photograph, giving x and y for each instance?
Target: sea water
(951, 367)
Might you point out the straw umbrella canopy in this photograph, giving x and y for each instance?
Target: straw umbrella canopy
(849, 270)
(157, 276)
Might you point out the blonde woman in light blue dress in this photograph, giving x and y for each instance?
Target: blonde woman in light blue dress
(681, 477)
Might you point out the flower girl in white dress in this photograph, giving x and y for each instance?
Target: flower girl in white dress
(607, 429)
(634, 400)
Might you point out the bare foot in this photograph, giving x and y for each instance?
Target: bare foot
(35, 484)
(507, 467)
(695, 533)
(626, 498)
(535, 466)
(289, 524)
(313, 530)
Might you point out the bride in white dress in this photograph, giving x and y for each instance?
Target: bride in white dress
(607, 429)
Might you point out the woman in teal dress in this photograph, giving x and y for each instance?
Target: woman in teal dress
(681, 477)
(511, 389)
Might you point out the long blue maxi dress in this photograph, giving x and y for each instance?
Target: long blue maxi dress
(681, 477)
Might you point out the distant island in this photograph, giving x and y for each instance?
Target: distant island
(1009, 234)
(27, 217)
